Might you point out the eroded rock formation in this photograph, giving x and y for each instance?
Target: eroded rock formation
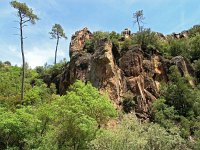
(117, 73)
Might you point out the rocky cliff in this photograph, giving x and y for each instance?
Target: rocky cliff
(119, 73)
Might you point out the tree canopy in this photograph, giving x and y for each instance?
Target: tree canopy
(57, 32)
(24, 12)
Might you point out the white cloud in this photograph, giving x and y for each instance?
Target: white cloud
(14, 50)
(34, 56)
(39, 56)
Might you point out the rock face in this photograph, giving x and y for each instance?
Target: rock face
(78, 41)
(118, 74)
(126, 33)
(184, 67)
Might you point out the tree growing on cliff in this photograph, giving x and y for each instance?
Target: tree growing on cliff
(138, 18)
(25, 15)
(57, 33)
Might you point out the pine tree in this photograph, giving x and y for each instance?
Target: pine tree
(25, 15)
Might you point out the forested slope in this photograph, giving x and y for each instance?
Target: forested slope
(118, 91)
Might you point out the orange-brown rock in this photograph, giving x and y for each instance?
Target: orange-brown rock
(116, 73)
(78, 41)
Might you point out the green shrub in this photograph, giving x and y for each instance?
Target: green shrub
(179, 93)
(196, 65)
(163, 114)
(76, 117)
(129, 102)
(89, 46)
(132, 135)
(178, 47)
(195, 48)
(146, 39)
(194, 31)
(126, 44)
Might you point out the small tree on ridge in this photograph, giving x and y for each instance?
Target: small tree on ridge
(57, 32)
(138, 16)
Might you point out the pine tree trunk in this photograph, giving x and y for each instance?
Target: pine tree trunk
(56, 49)
(23, 58)
(138, 25)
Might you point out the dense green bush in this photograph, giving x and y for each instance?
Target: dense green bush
(128, 102)
(179, 107)
(194, 31)
(82, 118)
(132, 135)
(195, 48)
(146, 39)
(10, 87)
(75, 117)
(179, 93)
(47, 121)
(50, 74)
(163, 114)
(196, 66)
(90, 45)
(178, 47)
(126, 44)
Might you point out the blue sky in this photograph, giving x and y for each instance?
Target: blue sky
(164, 16)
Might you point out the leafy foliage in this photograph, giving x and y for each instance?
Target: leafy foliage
(126, 44)
(57, 32)
(128, 102)
(179, 93)
(90, 45)
(195, 48)
(195, 30)
(81, 118)
(24, 11)
(178, 47)
(44, 120)
(147, 40)
(196, 66)
(178, 108)
(131, 135)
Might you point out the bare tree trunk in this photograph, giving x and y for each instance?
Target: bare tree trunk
(23, 58)
(138, 24)
(56, 49)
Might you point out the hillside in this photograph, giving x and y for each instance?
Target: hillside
(124, 66)
(119, 91)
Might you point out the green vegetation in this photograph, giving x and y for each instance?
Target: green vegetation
(132, 135)
(77, 120)
(90, 45)
(34, 116)
(44, 120)
(176, 112)
(195, 30)
(179, 108)
(178, 47)
(126, 44)
(195, 48)
(146, 39)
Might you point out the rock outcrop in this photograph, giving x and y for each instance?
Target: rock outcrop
(126, 33)
(184, 67)
(118, 74)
